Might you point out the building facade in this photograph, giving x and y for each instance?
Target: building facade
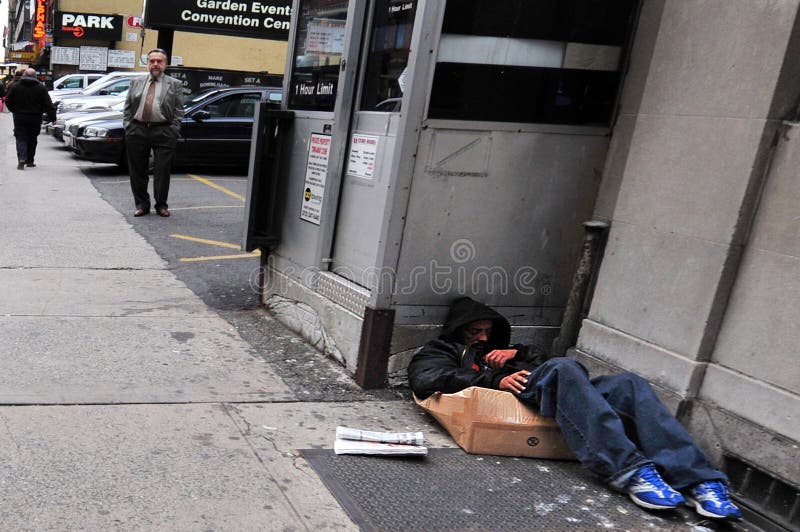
(18, 38)
(697, 286)
(496, 148)
(105, 35)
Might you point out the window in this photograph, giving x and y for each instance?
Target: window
(72, 83)
(549, 61)
(245, 106)
(317, 54)
(389, 44)
(234, 106)
(116, 88)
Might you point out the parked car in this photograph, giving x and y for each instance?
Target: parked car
(215, 131)
(78, 80)
(89, 103)
(114, 111)
(111, 83)
(73, 125)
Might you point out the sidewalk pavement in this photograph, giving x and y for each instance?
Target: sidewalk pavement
(126, 403)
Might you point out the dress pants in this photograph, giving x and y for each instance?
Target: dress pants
(615, 424)
(26, 133)
(140, 139)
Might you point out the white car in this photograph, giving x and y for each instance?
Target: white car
(57, 127)
(91, 103)
(72, 125)
(110, 84)
(78, 80)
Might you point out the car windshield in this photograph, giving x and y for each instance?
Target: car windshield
(95, 89)
(95, 83)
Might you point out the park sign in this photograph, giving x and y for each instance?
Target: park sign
(88, 26)
(260, 19)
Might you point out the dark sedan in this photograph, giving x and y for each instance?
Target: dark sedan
(215, 131)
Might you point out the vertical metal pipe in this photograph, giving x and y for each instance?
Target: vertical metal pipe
(570, 324)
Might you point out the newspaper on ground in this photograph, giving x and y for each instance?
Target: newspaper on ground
(406, 438)
(356, 441)
(373, 447)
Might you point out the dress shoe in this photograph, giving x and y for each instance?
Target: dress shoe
(164, 213)
(30, 165)
(21, 165)
(141, 212)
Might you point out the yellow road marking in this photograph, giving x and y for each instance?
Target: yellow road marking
(256, 253)
(217, 187)
(206, 241)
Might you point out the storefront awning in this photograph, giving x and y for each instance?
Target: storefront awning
(22, 46)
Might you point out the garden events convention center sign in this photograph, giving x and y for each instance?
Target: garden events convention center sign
(261, 19)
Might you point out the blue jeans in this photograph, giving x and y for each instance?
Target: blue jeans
(615, 424)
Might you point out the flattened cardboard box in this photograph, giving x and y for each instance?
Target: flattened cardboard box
(485, 421)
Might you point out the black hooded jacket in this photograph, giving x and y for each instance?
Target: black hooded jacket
(446, 365)
(28, 96)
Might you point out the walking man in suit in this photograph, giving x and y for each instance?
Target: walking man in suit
(152, 120)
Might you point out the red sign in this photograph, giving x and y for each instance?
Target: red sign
(135, 22)
(39, 31)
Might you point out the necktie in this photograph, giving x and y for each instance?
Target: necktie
(148, 102)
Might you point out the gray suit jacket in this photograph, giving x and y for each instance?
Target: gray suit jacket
(171, 101)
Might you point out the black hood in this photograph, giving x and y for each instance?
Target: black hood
(464, 311)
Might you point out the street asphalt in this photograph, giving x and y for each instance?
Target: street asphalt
(130, 402)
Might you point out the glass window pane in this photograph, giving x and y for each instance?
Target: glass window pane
(549, 61)
(317, 54)
(389, 44)
(219, 108)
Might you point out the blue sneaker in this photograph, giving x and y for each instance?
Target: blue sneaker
(647, 489)
(711, 499)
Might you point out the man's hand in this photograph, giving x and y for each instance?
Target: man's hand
(515, 382)
(499, 357)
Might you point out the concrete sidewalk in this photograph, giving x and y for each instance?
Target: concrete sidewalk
(125, 403)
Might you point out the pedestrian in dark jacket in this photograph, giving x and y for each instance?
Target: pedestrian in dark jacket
(28, 100)
(473, 350)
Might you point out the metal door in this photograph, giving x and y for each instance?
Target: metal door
(382, 81)
(324, 43)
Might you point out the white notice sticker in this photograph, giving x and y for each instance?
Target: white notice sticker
(319, 146)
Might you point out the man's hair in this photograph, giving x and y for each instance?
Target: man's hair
(157, 50)
(29, 72)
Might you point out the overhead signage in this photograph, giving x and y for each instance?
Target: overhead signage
(195, 79)
(21, 57)
(260, 19)
(88, 26)
(65, 55)
(94, 58)
(121, 59)
(40, 20)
